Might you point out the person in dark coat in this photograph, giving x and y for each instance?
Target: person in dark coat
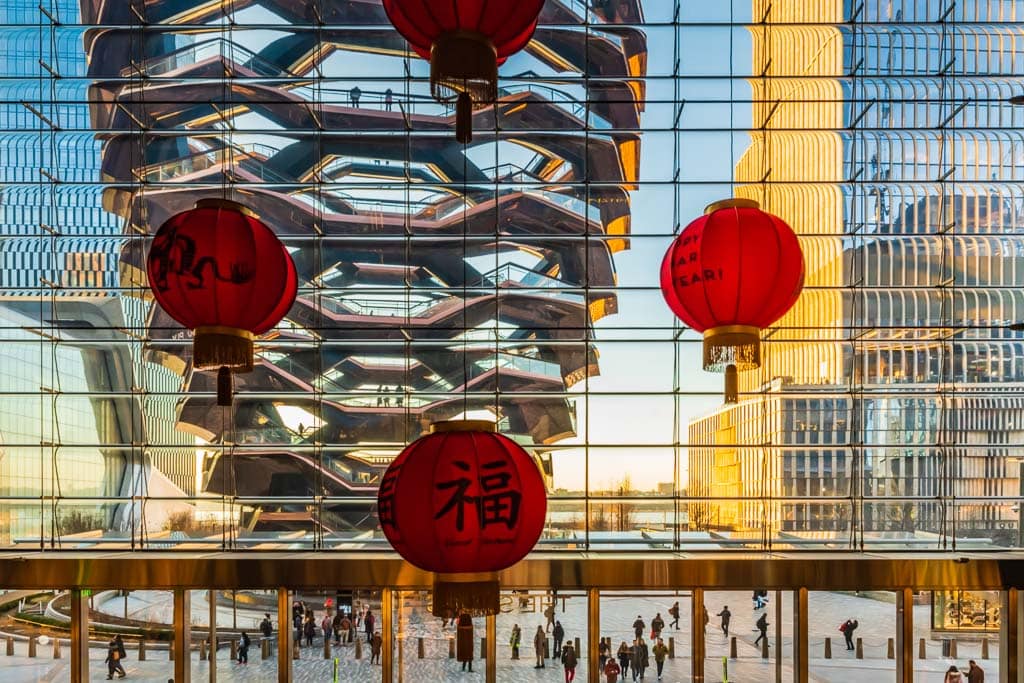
(975, 674)
(243, 649)
(113, 660)
(762, 626)
(515, 640)
(368, 623)
(121, 654)
(657, 625)
(375, 644)
(673, 612)
(309, 629)
(848, 628)
(464, 641)
(641, 658)
(726, 618)
(638, 626)
(624, 656)
(569, 662)
(558, 635)
(538, 646)
(267, 626)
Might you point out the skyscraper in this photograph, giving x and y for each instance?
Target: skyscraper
(887, 398)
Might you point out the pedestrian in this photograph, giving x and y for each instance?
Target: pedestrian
(762, 626)
(757, 600)
(354, 94)
(569, 662)
(848, 627)
(464, 641)
(953, 675)
(113, 660)
(336, 625)
(638, 627)
(389, 98)
(657, 626)
(346, 629)
(641, 659)
(558, 634)
(327, 626)
(309, 629)
(975, 674)
(243, 648)
(368, 622)
(604, 651)
(673, 612)
(375, 644)
(297, 613)
(538, 646)
(121, 654)
(549, 614)
(612, 670)
(267, 626)
(726, 617)
(513, 642)
(449, 616)
(624, 656)
(660, 651)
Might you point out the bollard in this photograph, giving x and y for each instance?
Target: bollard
(860, 648)
(295, 650)
(952, 649)
(984, 648)
(234, 649)
(421, 650)
(671, 647)
(828, 648)
(56, 648)
(265, 649)
(359, 647)
(10, 646)
(202, 650)
(732, 647)
(170, 650)
(32, 646)
(578, 650)
(922, 653)
(891, 649)
(764, 648)
(327, 648)
(451, 648)
(142, 650)
(483, 648)
(547, 648)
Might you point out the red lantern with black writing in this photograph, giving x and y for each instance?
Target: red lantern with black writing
(463, 499)
(730, 274)
(465, 41)
(219, 271)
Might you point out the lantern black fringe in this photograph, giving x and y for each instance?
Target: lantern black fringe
(476, 598)
(215, 350)
(736, 345)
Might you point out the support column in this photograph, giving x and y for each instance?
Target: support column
(698, 633)
(904, 635)
(213, 634)
(79, 636)
(801, 639)
(182, 635)
(778, 636)
(1009, 636)
(387, 620)
(491, 665)
(593, 635)
(284, 637)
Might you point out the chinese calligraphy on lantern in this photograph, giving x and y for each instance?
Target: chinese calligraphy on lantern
(497, 503)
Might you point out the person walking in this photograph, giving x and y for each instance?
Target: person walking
(389, 98)
(336, 625)
(624, 656)
(513, 642)
(569, 662)
(638, 627)
(558, 635)
(641, 659)
(346, 628)
(848, 627)
(354, 94)
(113, 660)
(762, 626)
(549, 614)
(297, 613)
(757, 600)
(327, 626)
(267, 626)
(375, 644)
(660, 651)
(953, 675)
(309, 629)
(464, 641)
(122, 654)
(726, 618)
(538, 646)
(975, 674)
(612, 670)
(673, 612)
(657, 626)
(604, 651)
(243, 648)
(368, 623)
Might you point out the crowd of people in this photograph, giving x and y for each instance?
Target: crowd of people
(339, 626)
(973, 674)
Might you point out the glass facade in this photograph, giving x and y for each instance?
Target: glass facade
(515, 279)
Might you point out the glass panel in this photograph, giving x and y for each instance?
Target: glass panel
(138, 627)
(663, 622)
(850, 632)
(430, 648)
(750, 625)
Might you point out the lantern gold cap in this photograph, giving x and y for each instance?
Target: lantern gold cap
(463, 426)
(732, 203)
(218, 203)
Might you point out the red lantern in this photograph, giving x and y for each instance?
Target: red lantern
(465, 41)
(463, 499)
(218, 270)
(729, 274)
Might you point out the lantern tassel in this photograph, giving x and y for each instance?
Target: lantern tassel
(464, 118)
(732, 384)
(224, 390)
(477, 598)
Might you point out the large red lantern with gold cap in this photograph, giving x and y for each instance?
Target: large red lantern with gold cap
(219, 271)
(729, 274)
(465, 41)
(463, 502)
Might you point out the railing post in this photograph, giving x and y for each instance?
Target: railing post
(1009, 636)
(491, 664)
(79, 636)
(387, 618)
(698, 633)
(284, 637)
(904, 634)
(182, 635)
(212, 599)
(593, 635)
(801, 637)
